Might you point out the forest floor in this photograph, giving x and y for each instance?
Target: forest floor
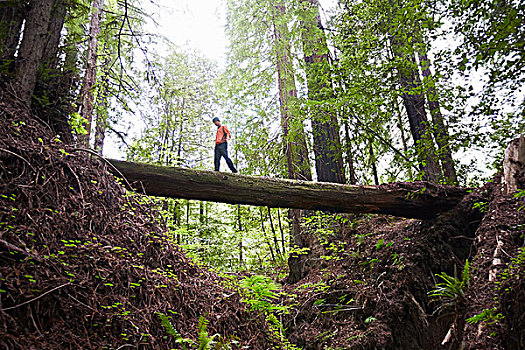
(84, 264)
(370, 287)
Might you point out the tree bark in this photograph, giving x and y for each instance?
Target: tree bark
(86, 108)
(514, 166)
(296, 149)
(12, 15)
(411, 200)
(440, 130)
(349, 155)
(32, 48)
(414, 102)
(102, 110)
(325, 127)
(373, 162)
(53, 86)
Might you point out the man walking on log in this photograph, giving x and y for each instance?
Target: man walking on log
(221, 145)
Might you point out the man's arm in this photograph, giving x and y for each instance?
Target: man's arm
(227, 133)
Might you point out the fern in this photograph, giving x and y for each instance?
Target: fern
(452, 289)
(205, 342)
(165, 321)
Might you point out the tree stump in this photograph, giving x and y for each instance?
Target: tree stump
(514, 166)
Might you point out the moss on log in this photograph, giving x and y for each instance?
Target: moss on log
(408, 199)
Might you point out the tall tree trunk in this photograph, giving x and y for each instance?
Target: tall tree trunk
(325, 127)
(56, 24)
(296, 149)
(52, 88)
(32, 47)
(102, 110)
(12, 15)
(440, 130)
(201, 213)
(272, 227)
(294, 138)
(283, 244)
(239, 228)
(403, 137)
(349, 154)
(414, 102)
(86, 108)
(373, 162)
(265, 236)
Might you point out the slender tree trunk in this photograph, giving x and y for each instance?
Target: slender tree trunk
(12, 15)
(296, 149)
(272, 227)
(265, 236)
(440, 130)
(102, 110)
(373, 162)
(283, 245)
(403, 136)
(325, 127)
(32, 47)
(239, 228)
(188, 209)
(349, 155)
(87, 93)
(414, 102)
(201, 213)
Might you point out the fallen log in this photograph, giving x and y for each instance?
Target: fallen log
(408, 199)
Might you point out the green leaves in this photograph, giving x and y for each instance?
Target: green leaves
(260, 293)
(452, 290)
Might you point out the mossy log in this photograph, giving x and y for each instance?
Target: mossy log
(408, 199)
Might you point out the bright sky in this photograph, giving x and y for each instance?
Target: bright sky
(198, 24)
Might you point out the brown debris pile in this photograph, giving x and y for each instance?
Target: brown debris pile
(83, 265)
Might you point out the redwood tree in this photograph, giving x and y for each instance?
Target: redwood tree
(32, 47)
(325, 126)
(86, 108)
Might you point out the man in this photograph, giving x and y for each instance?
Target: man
(221, 145)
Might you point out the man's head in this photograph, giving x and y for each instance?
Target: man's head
(216, 121)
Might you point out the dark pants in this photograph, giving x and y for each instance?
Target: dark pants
(221, 150)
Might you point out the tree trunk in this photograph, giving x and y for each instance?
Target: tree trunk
(514, 166)
(325, 127)
(411, 200)
(283, 245)
(12, 15)
(102, 110)
(53, 87)
(275, 240)
(265, 236)
(373, 162)
(440, 130)
(403, 137)
(86, 108)
(32, 47)
(56, 24)
(349, 155)
(239, 230)
(296, 149)
(414, 102)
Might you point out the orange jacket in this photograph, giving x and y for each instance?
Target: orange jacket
(223, 135)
